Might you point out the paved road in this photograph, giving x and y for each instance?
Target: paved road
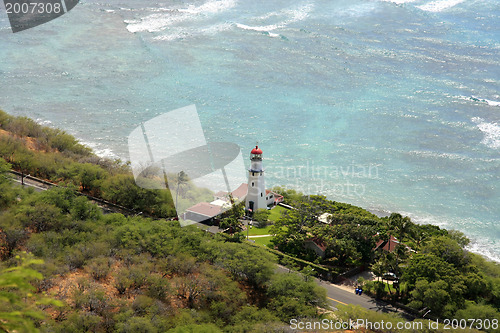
(337, 295)
(28, 182)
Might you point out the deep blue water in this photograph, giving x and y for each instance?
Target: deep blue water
(391, 105)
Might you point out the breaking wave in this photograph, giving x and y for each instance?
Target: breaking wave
(491, 132)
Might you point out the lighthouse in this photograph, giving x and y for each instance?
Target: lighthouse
(256, 197)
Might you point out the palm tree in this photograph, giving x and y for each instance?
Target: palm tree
(182, 179)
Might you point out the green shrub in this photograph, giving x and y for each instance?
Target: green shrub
(99, 268)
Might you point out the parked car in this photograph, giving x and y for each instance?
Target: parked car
(389, 276)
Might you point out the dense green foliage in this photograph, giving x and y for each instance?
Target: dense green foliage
(15, 313)
(56, 156)
(122, 274)
(261, 218)
(435, 270)
(349, 239)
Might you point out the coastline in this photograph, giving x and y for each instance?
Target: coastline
(475, 245)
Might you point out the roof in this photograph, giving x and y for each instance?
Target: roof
(389, 245)
(324, 218)
(241, 191)
(219, 203)
(319, 243)
(256, 150)
(220, 194)
(205, 209)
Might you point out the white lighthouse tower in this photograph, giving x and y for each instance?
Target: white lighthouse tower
(256, 197)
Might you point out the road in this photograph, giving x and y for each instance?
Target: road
(337, 295)
(28, 182)
(41, 185)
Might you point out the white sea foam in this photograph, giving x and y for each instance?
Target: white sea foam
(154, 22)
(399, 2)
(210, 7)
(99, 151)
(492, 103)
(43, 122)
(267, 28)
(258, 28)
(483, 249)
(166, 17)
(439, 5)
(491, 132)
(293, 15)
(477, 99)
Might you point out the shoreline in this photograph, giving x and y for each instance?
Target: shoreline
(474, 246)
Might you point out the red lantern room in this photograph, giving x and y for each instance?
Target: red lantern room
(256, 153)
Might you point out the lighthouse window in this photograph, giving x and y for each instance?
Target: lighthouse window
(253, 184)
(261, 195)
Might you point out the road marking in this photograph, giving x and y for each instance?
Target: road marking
(336, 300)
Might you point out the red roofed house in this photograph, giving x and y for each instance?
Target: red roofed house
(389, 245)
(202, 211)
(316, 245)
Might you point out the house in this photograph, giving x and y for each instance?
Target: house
(202, 212)
(317, 245)
(390, 245)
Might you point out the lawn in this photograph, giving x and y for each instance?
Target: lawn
(262, 240)
(259, 231)
(276, 213)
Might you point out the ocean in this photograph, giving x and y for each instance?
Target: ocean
(390, 105)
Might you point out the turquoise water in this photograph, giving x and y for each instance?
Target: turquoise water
(391, 105)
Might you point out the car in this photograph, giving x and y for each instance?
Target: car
(389, 276)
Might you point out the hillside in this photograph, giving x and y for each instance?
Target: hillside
(68, 267)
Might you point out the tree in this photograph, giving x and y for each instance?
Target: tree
(291, 228)
(196, 328)
(245, 262)
(25, 161)
(231, 217)
(399, 225)
(61, 197)
(83, 209)
(432, 295)
(7, 195)
(261, 216)
(12, 234)
(447, 249)
(89, 177)
(442, 282)
(41, 217)
(182, 179)
(480, 312)
(291, 296)
(459, 237)
(136, 325)
(19, 305)
(308, 272)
